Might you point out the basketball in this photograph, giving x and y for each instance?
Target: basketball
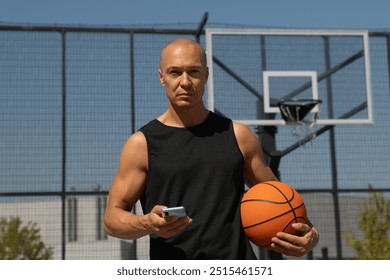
(268, 208)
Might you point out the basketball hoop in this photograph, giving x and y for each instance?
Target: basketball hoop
(294, 112)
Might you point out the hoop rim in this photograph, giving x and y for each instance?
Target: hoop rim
(296, 102)
(295, 110)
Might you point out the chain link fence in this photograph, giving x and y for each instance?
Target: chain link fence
(71, 96)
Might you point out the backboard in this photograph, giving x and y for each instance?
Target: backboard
(251, 70)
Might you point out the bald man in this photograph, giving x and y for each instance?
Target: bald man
(191, 157)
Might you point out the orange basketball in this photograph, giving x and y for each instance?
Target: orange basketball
(268, 208)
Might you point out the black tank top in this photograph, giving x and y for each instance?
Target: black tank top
(200, 168)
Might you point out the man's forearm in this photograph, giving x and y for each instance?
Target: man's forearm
(125, 225)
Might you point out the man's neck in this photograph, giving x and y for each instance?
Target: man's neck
(184, 118)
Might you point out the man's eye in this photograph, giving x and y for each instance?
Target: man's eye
(195, 73)
(174, 73)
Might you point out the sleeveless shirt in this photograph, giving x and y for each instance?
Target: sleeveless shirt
(200, 168)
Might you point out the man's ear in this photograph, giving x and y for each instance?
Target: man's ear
(160, 76)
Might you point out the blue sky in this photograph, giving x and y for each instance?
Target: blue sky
(340, 14)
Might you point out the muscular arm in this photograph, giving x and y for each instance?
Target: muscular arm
(127, 187)
(255, 171)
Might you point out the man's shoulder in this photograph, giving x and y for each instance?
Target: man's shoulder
(136, 140)
(134, 151)
(244, 134)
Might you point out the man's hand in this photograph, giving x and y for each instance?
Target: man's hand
(293, 245)
(164, 227)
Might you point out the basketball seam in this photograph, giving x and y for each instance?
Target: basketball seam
(278, 216)
(264, 200)
(288, 201)
(270, 201)
(269, 244)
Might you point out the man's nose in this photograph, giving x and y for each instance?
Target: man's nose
(185, 79)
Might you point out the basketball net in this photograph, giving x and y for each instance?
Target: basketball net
(294, 113)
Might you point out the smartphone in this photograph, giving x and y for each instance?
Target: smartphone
(174, 211)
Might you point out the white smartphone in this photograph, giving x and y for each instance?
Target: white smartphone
(174, 211)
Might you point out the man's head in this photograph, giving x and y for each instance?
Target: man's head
(184, 42)
(183, 71)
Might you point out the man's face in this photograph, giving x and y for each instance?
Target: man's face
(183, 73)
